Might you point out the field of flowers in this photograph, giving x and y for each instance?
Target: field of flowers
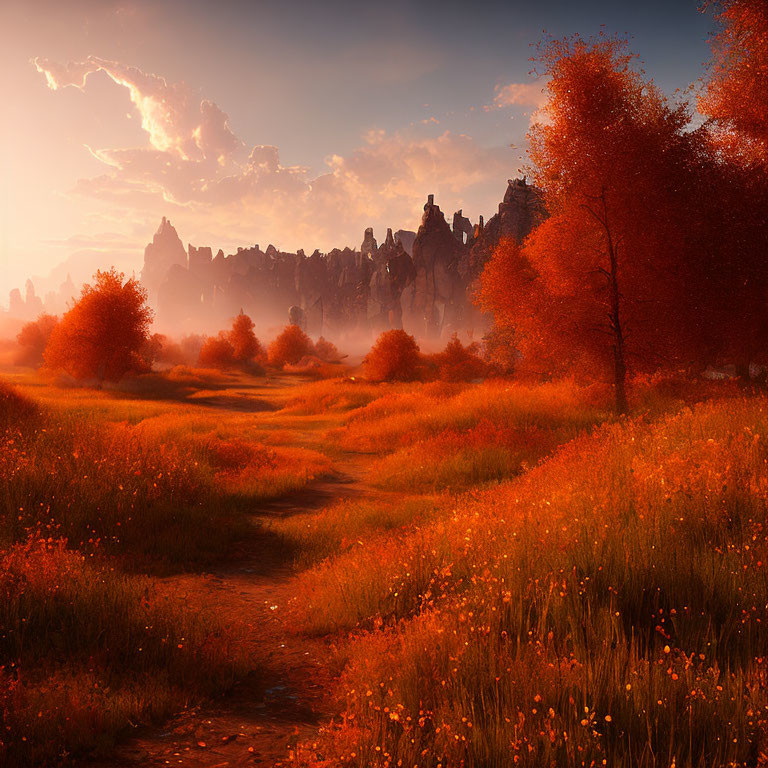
(516, 577)
(606, 607)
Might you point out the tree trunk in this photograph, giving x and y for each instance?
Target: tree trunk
(619, 360)
(614, 316)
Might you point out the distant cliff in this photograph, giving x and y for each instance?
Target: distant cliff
(420, 281)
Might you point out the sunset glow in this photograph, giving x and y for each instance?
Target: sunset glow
(384, 384)
(268, 122)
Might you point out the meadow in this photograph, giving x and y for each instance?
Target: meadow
(103, 494)
(512, 576)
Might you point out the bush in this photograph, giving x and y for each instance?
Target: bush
(33, 339)
(160, 349)
(327, 351)
(394, 357)
(244, 343)
(459, 363)
(217, 352)
(289, 347)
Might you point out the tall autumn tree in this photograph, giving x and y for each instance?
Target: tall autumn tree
(102, 335)
(735, 95)
(734, 219)
(601, 284)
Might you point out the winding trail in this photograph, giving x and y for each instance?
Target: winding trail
(260, 721)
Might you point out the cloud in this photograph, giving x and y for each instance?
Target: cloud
(522, 94)
(197, 169)
(174, 119)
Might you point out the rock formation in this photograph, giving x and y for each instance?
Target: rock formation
(520, 212)
(26, 307)
(420, 281)
(165, 251)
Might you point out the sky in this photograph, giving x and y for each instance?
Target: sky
(297, 123)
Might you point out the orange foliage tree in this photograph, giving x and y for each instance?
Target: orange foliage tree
(289, 347)
(327, 351)
(103, 334)
(602, 283)
(394, 357)
(246, 347)
(33, 339)
(736, 92)
(217, 352)
(731, 223)
(459, 363)
(236, 347)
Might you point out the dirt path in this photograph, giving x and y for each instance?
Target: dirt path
(260, 721)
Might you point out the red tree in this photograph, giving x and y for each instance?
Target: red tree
(736, 92)
(217, 352)
(601, 284)
(327, 351)
(289, 347)
(103, 334)
(246, 347)
(33, 339)
(459, 363)
(732, 227)
(394, 357)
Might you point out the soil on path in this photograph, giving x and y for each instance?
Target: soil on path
(262, 719)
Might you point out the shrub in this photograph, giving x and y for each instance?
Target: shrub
(394, 357)
(160, 349)
(244, 343)
(289, 347)
(217, 352)
(33, 339)
(459, 363)
(327, 351)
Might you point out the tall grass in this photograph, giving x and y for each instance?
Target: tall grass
(93, 488)
(336, 395)
(401, 419)
(608, 607)
(351, 523)
(166, 490)
(100, 486)
(85, 651)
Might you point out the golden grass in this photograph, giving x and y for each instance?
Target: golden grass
(402, 419)
(336, 395)
(607, 607)
(94, 486)
(351, 523)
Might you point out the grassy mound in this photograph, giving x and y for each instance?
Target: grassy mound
(607, 607)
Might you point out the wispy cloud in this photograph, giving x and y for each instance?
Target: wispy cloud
(194, 163)
(531, 94)
(174, 119)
